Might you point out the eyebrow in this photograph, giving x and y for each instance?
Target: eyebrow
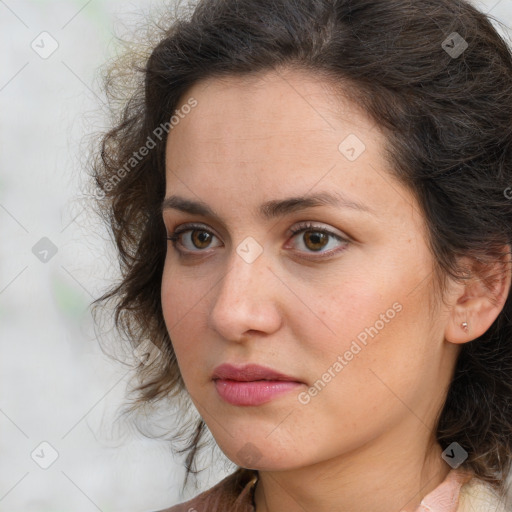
(271, 209)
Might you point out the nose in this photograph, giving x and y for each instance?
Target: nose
(246, 300)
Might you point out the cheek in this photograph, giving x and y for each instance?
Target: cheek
(336, 316)
(362, 331)
(172, 308)
(360, 388)
(182, 294)
(182, 311)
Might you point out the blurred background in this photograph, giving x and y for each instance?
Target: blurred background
(60, 447)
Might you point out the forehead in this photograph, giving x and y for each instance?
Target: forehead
(267, 119)
(273, 135)
(292, 103)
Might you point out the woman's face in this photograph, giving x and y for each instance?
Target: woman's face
(346, 318)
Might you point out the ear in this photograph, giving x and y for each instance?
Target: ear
(479, 300)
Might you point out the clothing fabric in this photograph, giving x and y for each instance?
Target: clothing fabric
(459, 492)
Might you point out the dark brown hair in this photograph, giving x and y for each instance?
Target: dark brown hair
(448, 121)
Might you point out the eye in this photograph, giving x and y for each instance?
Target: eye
(314, 241)
(200, 237)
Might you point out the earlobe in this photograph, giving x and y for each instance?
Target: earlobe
(459, 332)
(479, 301)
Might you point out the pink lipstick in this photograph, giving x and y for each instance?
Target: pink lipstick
(251, 384)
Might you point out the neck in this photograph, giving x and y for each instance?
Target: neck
(386, 481)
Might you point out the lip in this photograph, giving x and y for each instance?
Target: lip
(248, 373)
(251, 385)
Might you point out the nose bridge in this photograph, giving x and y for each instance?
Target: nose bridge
(244, 299)
(244, 277)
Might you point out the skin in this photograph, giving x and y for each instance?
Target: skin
(365, 442)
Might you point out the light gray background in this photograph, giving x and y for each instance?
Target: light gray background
(56, 384)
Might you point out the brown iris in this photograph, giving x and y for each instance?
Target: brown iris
(317, 238)
(202, 238)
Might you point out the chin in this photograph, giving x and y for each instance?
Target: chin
(253, 456)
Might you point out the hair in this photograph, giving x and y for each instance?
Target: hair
(448, 126)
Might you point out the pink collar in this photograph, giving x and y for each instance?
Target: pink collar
(445, 497)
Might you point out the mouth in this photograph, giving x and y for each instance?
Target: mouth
(251, 385)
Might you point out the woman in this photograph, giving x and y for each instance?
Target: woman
(311, 202)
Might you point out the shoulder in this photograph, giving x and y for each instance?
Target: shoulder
(478, 496)
(231, 493)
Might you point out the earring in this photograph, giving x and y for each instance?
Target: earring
(464, 325)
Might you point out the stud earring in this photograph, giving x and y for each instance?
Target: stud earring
(464, 325)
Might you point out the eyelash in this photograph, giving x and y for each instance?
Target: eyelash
(306, 226)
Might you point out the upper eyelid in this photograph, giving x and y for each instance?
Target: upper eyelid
(299, 225)
(167, 213)
(296, 229)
